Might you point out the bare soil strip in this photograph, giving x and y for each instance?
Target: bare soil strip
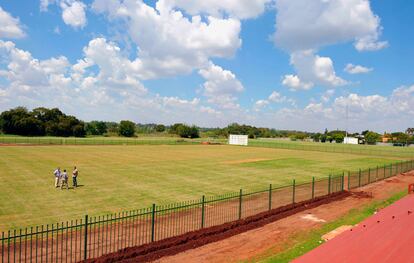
(276, 236)
(202, 237)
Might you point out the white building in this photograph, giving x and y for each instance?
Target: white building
(351, 140)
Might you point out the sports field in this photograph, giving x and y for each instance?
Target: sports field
(117, 178)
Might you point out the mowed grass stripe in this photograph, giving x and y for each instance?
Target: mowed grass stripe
(117, 178)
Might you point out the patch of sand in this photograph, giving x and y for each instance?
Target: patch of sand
(312, 218)
(336, 232)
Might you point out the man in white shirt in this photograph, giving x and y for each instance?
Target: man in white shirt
(57, 177)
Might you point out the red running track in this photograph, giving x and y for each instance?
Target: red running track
(387, 236)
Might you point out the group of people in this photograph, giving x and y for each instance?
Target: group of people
(62, 179)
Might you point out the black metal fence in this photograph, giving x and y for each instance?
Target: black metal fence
(92, 237)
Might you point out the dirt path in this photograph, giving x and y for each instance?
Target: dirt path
(274, 236)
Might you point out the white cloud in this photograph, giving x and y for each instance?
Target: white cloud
(303, 27)
(260, 104)
(10, 27)
(362, 104)
(357, 69)
(103, 84)
(73, 13)
(304, 24)
(44, 4)
(374, 112)
(168, 42)
(235, 8)
(56, 30)
(312, 70)
(221, 86)
(370, 43)
(274, 97)
(326, 97)
(295, 83)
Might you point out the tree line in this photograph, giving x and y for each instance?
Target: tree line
(53, 122)
(40, 122)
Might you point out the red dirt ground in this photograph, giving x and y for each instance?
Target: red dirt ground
(199, 238)
(277, 236)
(387, 236)
(254, 237)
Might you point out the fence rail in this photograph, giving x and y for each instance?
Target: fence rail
(405, 152)
(92, 237)
(94, 141)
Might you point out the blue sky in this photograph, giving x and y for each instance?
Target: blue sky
(285, 64)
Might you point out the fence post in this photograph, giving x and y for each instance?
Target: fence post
(85, 252)
(270, 197)
(329, 185)
(313, 187)
(293, 190)
(359, 178)
(369, 175)
(343, 181)
(153, 223)
(2, 247)
(385, 171)
(240, 203)
(202, 211)
(376, 174)
(349, 180)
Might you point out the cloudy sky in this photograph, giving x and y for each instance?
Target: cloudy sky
(285, 64)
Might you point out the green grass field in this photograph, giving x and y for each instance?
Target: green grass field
(142, 139)
(117, 178)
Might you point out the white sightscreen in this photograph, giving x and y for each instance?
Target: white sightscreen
(350, 140)
(238, 139)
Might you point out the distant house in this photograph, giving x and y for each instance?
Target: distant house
(387, 138)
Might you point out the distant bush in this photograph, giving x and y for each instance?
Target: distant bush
(160, 128)
(372, 137)
(185, 131)
(126, 128)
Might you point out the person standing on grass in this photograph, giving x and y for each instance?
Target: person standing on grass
(57, 177)
(64, 180)
(75, 177)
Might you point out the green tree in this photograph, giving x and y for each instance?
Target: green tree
(185, 131)
(160, 128)
(96, 128)
(316, 137)
(126, 128)
(338, 137)
(174, 128)
(79, 130)
(372, 137)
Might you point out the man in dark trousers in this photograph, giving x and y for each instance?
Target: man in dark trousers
(64, 180)
(75, 177)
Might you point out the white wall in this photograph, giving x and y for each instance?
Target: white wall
(238, 139)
